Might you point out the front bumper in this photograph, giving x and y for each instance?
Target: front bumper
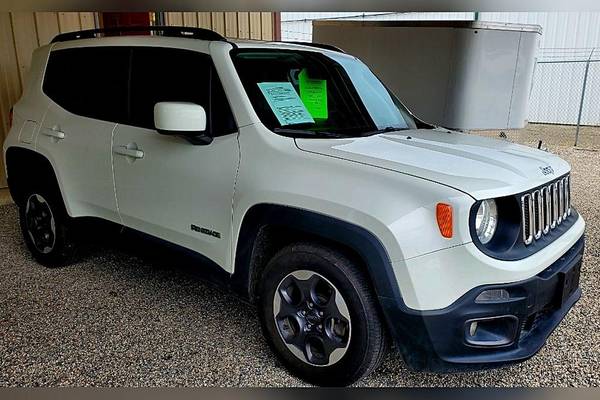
(441, 340)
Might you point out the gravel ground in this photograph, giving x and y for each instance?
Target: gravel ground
(117, 318)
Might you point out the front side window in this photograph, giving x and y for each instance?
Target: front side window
(164, 74)
(304, 93)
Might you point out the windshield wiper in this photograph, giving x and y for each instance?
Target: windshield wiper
(387, 129)
(305, 133)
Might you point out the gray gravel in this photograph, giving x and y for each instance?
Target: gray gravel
(118, 319)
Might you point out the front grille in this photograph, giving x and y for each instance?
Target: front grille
(545, 208)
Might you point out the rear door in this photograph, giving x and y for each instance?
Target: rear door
(173, 189)
(88, 89)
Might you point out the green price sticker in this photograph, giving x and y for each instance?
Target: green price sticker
(313, 93)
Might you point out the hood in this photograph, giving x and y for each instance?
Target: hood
(479, 166)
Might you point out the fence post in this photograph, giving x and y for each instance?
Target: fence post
(585, 77)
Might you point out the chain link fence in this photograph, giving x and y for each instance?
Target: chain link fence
(564, 103)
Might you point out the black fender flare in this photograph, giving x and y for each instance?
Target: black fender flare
(21, 165)
(364, 243)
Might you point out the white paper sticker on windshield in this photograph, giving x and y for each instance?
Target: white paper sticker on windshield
(285, 103)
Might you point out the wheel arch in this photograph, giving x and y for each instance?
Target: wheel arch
(266, 228)
(21, 165)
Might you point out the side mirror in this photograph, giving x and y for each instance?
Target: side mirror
(182, 119)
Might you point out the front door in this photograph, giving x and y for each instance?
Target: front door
(166, 186)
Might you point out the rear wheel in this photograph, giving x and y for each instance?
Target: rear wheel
(320, 316)
(45, 227)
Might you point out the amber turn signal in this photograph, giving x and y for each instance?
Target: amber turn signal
(443, 214)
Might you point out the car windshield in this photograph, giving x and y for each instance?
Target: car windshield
(311, 94)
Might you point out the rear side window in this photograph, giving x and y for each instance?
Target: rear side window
(165, 74)
(90, 82)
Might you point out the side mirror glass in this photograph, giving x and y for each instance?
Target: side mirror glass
(183, 119)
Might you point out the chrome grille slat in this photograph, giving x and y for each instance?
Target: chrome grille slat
(543, 209)
(547, 209)
(561, 200)
(568, 191)
(527, 213)
(537, 214)
(554, 206)
(565, 197)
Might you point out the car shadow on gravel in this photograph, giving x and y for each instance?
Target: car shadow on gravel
(145, 260)
(148, 259)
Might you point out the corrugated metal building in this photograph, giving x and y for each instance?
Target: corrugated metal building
(568, 41)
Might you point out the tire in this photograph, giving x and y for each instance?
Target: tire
(46, 227)
(300, 290)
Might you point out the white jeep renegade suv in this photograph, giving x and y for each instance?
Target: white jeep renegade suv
(309, 187)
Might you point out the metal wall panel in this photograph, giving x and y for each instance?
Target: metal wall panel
(190, 19)
(231, 24)
(255, 26)
(204, 20)
(266, 25)
(174, 18)
(10, 83)
(560, 29)
(47, 26)
(25, 37)
(69, 21)
(87, 20)
(218, 22)
(242, 25)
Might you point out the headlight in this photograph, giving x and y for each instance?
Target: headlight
(486, 220)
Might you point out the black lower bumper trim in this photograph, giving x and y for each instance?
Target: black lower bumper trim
(436, 340)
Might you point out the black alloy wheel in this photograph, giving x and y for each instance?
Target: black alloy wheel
(312, 318)
(320, 315)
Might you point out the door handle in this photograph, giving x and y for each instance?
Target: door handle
(126, 151)
(53, 132)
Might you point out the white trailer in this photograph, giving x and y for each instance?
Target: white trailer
(457, 74)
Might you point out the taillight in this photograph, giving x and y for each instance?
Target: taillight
(10, 118)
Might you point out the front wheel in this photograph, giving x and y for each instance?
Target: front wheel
(319, 315)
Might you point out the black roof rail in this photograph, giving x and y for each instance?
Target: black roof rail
(171, 31)
(319, 45)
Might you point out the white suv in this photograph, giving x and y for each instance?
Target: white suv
(311, 190)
